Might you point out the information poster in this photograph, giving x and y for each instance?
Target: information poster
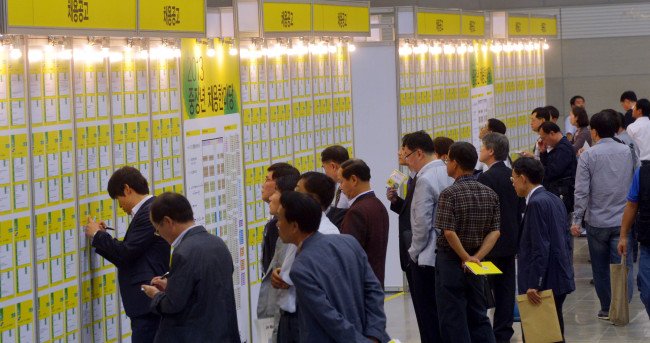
(213, 156)
(482, 90)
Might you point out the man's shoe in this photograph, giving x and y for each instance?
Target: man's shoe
(604, 315)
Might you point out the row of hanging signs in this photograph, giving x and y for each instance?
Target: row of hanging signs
(417, 22)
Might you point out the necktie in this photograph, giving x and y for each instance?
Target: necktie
(410, 185)
(338, 197)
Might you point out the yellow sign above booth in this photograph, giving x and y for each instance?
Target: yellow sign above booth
(543, 26)
(172, 15)
(518, 26)
(439, 24)
(333, 18)
(473, 25)
(75, 14)
(287, 17)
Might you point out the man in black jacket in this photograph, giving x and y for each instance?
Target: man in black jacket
(494, 152)
(403, 208)
(196, 301)
(275, 171)
(140, 256)
(559, 164)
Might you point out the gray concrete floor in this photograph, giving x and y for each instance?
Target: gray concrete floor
(580, 309)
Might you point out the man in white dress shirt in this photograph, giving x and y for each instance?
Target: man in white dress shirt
(640, 129)
(332, 158)
(321, 188)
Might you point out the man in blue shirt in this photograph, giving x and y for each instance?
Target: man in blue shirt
(638, 200)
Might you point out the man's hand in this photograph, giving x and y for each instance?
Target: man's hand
(150, 291)
(276, 280)
(391, 194)
(92, 227)
(534, 297)
(159, 283)
(575, 230)
(580, 151)
(541, 146)
(622, 246)
(472, 259)
(525, 154)
(373, 339)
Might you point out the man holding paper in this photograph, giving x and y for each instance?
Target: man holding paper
(431, 179)
(494, 153)
(545, 255)
(468, 216)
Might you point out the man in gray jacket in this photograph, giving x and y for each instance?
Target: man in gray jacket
(196, 301)
(338, 295)
(430, 180)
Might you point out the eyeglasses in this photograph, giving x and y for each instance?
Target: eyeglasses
(407, 156)
(445, 161)
(512, 179)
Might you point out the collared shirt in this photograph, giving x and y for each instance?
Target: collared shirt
(178, 239)
(287, 297)
(468, 208)
(137, 207)
(603, 177)
(358, 195)
(568, 127)
(531, 193)
(640, 131)
(134, 210)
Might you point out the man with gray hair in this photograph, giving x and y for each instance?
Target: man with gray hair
(494, 152)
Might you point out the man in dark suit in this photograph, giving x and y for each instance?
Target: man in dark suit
(545, 255)
(196, 301)
(494, 152)
(628, 102)
(367, 219)
(559, 164)
(140, 256)
(270, 235)
(338, 297)
(403, 208)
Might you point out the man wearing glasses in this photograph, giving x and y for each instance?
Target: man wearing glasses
(422, 157)
(142, 254)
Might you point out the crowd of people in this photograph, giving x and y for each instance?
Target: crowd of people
(324, 246)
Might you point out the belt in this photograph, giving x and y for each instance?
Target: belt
(287, 314)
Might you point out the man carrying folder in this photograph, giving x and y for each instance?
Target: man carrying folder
(545, 256)
(468, 216)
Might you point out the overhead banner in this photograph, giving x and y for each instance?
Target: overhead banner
(175, 17)
(439, 24)
(210, 84)
(287, 17)
(543, 26)
(343, 19)
(72, 14)
(518, 26)
(473, 25)
(482, 90)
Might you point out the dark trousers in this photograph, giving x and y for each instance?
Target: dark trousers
(461, 301)
(503, 288)
(143, 328)
(288, 331)
(424, 302)
(559, 301)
